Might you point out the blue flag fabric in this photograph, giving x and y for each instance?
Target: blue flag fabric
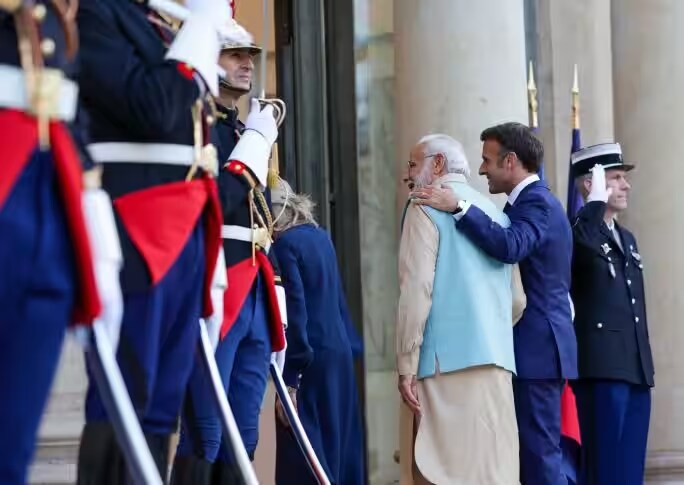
(535, 130)
(575, 201)
(570, 447)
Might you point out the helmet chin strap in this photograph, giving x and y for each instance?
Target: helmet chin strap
(239, 91)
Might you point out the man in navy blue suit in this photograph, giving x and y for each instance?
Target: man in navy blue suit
(540, 240)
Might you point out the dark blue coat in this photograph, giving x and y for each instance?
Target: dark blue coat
(540, 240)
(610, 306)
(321, 345)
(132, 94)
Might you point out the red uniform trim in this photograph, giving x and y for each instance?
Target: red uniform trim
(22, 130)
(159, 221)
(569, 419)
(186, 70)
(241, 277)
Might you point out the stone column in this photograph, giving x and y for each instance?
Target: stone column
(460, 67)
(648, 48)
(570, 33)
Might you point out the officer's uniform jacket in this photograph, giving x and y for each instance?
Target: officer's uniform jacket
(247, 230)
(143, 131)
(609, 298)
(52, 120)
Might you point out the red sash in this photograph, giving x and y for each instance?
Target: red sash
(241, 277)
(159, 221)
(21, 132)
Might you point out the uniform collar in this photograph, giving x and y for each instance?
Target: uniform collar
(515, 193)
(226, 115)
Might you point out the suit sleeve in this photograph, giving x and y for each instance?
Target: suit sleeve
(299, 352)
(115, 79)
(512, 244)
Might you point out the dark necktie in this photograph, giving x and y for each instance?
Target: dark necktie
(507, 208)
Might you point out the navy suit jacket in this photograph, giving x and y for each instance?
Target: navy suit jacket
(540, 240)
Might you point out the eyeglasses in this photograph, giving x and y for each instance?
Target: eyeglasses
(412, 164)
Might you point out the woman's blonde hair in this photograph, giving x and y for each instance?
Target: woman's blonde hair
(291, 209)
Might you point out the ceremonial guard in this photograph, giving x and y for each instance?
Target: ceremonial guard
(614, 354)
(50, 211)
(148, 94)
(252, 326)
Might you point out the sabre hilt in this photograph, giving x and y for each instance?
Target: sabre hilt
(279, 108)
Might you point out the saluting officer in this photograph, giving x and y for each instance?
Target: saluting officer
(614, 353)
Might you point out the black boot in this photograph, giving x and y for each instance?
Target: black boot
(226, 474)
(159, 448)
(190, 470)
(100, 461)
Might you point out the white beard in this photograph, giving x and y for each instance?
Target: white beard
(423, 177)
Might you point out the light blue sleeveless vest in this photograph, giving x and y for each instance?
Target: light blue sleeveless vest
(470, 322)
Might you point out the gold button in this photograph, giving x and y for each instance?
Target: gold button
(47, 47)
(39, 12)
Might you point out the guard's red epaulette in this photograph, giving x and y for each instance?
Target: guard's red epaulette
(238, 168)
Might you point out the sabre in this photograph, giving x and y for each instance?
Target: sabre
(117, 402)
(227, 419)
(279, 108)
(296, 426)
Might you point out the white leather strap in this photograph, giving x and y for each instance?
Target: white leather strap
(161, 153)
(240, 233)
(13, 93)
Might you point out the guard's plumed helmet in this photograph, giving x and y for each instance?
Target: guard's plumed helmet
(236, 37)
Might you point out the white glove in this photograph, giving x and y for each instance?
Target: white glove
(254, 147)
(599, 190)
(279, 358)
(282, 304)
(262, 121)
(198, 42)
(219, 284)
(219, 10)
(107, 260)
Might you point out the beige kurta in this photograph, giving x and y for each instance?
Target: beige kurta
(467, 433)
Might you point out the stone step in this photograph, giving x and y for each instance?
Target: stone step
(55, 461)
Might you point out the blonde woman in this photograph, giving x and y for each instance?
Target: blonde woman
(319, 368)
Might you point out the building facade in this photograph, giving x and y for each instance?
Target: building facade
(364, 79)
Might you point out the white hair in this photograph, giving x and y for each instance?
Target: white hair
(456, 161)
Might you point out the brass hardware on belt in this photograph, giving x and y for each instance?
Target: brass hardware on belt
(42, 85)
(205, 157)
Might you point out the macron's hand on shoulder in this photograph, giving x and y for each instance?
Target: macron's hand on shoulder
(441, 198)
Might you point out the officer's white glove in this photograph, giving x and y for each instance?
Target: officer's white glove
(279, 358)
(198, 42)
(599, 191)
(107, 260)
(262, 121)
(219, 284)
(254, 147)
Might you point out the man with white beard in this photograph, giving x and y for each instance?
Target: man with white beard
(454, 337)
